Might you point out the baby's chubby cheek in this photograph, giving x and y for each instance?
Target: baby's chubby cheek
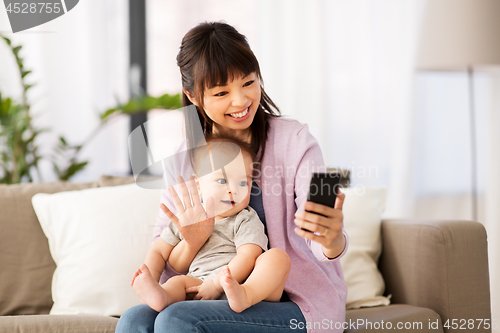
(246, 200)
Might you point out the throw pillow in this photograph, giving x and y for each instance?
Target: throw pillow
(362, 211)
(26, 265)
(98, 238)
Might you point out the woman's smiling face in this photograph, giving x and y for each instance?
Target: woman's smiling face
(234, 105)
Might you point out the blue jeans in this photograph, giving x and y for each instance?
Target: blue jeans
(212, 316)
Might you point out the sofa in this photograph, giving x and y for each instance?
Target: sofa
(435, 272)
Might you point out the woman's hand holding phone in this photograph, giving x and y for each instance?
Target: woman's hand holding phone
(329, 226)
(320, 222)
(193, 222)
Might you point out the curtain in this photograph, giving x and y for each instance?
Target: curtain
(346, 69)
(442, 175)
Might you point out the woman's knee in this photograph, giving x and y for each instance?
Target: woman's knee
(139, 318)
(178, 317)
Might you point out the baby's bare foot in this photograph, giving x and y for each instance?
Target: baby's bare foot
(236, 293)
(149, 290)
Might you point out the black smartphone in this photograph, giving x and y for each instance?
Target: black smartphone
(324, 188)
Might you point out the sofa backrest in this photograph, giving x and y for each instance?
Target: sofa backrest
(25, 261)
(26, 265)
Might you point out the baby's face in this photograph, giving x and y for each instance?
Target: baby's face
(230, 189)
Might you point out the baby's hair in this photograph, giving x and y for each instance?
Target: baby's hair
(244, 146)
(218, 151)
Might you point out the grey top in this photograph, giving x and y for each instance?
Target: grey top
(229, 234)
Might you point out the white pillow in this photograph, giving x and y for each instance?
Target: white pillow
(98, 237)
(362, 211)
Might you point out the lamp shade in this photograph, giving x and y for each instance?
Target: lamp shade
(459, 33)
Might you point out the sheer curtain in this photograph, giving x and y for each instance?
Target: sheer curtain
(442, 175)
(169, 20)
(346, 69)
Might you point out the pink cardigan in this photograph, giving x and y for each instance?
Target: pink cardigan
(315, 283)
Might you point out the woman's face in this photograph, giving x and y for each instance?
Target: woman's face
(234, 105)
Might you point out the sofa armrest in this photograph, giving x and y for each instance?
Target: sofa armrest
(441, 265)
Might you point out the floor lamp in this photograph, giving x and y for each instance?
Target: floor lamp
(461, 36)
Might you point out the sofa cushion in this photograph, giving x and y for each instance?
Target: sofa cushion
(98, 238)
(58, 324)
(362, 211)
(385, 319)
(25, 261)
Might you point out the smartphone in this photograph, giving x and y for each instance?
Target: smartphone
(324, 188)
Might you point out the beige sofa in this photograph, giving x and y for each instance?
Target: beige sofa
(436, 271)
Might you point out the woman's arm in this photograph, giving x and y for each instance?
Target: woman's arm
(333, 241)
(329, 226)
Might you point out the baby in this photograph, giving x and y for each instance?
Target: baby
(232, 260)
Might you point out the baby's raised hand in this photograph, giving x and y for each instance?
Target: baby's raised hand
(205, 291)
(193, 222)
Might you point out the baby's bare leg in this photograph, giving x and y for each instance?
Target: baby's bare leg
(265, 283)
(159, 297)
(175, 287)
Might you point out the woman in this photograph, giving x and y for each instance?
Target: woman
(221, 78)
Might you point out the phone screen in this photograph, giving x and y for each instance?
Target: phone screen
(324, 188)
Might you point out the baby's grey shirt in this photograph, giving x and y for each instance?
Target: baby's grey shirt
(229, 234)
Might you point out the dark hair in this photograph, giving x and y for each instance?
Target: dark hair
(211, 54)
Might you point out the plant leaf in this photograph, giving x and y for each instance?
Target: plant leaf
(107, 113)
(7, 40)
(72, 170)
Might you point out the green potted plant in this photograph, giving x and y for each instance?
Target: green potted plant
(19, 153)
